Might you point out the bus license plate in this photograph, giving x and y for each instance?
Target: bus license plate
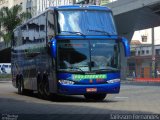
(91, 89)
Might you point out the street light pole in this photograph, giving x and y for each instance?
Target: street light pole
(74, 1)
(153, 54)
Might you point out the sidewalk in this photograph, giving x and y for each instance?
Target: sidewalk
(142, 81)
(147, 79)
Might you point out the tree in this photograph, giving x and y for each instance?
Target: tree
(10, 19)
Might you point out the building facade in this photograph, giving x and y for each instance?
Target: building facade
(6, 3)
(143, 62)
(145, 36)
(10, 3)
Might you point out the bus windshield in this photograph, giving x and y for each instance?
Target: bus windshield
(86, 22)
(88, 55)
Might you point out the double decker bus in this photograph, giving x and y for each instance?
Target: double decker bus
(69, 50)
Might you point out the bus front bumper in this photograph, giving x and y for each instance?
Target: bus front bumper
(76, 89)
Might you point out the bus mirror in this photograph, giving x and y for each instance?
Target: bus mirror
(53, 48)
(126, 46)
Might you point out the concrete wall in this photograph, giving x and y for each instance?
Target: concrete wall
(138, 35)
(123, 6)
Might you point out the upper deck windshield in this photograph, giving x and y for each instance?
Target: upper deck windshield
(86, 22)
(88, 55)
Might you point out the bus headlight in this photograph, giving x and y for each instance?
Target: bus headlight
(66, 82)
(113, 80)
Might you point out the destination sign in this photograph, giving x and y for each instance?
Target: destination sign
(80, 77)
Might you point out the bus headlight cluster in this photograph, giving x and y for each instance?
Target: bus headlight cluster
(66, 82)
(113, 80)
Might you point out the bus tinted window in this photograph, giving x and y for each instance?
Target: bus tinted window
(88, 22)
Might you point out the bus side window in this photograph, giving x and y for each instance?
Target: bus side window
(24, 32)
(31, 32)
(42, 28)
(50, 25)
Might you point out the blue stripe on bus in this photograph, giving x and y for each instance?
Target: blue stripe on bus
(81, 89)
(85, 37)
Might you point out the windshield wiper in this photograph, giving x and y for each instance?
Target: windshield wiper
(105, 32)
(106, 69)
(76, 68)
(73, 32)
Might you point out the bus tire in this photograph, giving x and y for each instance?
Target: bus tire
(40, 86)
(40, 90)
(97, 97)
(46, 87)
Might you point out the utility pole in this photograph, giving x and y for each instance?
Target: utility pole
(73, 1)
(153, 55)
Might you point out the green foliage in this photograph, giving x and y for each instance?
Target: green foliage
(7, 38)
(3, 76)
(10, 19)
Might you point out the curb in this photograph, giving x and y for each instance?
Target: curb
(128, 82)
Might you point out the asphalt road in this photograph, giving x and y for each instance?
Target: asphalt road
(132, 99)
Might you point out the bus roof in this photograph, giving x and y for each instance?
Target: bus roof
(89, 7)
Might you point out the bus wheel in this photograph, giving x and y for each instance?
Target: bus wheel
(46, 90)
(46, 87)
(40, 89)
(40, 86)
(97, 97)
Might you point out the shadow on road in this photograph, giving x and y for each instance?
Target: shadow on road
(67, 98)
(28, 110)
